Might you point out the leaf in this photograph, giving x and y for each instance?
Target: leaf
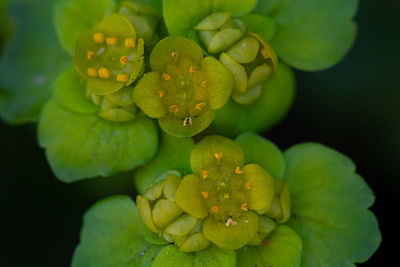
(74, 17)
(70, 92)
(273, 104)
(283, 249)
(260, 24)
(170, 256)
(31, 61)
(330, 207)
(181, 16)
(173, 154)
(112, 236)
(236, 7)
(261, 151)
(314, 35)
(81, 146)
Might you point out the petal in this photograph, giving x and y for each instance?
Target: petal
(146, 213)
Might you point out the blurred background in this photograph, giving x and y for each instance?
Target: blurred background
(353, 107)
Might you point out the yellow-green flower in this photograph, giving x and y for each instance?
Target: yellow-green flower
(184, 89)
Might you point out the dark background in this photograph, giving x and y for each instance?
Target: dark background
(353, 107)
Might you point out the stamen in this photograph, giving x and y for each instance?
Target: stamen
(218, 155)
(264, 53)
(230, 222)
(174, 108)
(204, 194)
(166, 77)
(214, 209)
(192, 70)
(130, 43)
(175, 55)
(104, 73)
(92, 72)
(244, 207)
(204, 174)
(90, 55)
(204, 84)
(123, 60)
(249, 185)
(238, 170)
(161, 93)
(122, 77)
(200, 106)
(98, 37)
(188, 120)
(111, 41)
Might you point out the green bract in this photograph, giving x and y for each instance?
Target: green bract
(184, 89)
(80, 144)
(224, 201)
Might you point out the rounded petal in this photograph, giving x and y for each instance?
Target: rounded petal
(145, 213)
(224, 39)
(181, 226)
(188, 197)
(212, 149)
(220, 82)
(147, 97)
(261, 194)
(232, 237)
(238, 71)
(164, 212)
(248, 97)
(161, 55)
(196, 242)
(245, 51)
(214, 21)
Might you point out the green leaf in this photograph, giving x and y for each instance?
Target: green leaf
(330, 207)
(70, 92)
(31, 61)
(170, 256)
(313, 34)
(173, 154)
(181, 16)
(83, 145)
(260, 24)
(236, 7)
(263, 152)
(283, 249)
(112, 236)
(273, 104)
(269, 6)
(74, 17)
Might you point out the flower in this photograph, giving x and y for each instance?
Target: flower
(224, 201)
(184, 89)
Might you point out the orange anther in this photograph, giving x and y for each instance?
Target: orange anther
(174, 108)
(98, 37)
(166, 76)
(249, 185)
(204, 174)
(130, 43)
(191, 69)
(92, 72)
(111, 41)
(204, 84)
(161, 93)
(104, 73)
(204, 194)
(122, 77)
(264, 53)
(238, 170)
(218, 155)
(123, 60)
(214, 209)
(90, 55)
(244, 207)
(200, 106)
(175, 55)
